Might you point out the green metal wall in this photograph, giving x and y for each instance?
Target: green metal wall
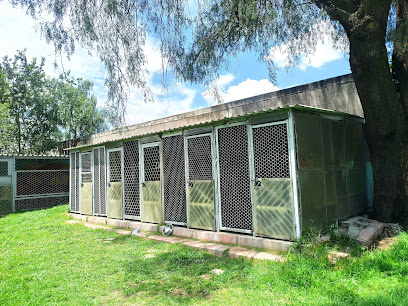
(331, 170)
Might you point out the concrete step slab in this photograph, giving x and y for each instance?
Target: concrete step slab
(236, 252)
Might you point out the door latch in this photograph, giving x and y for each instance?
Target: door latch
(109, 184)
(191, 184)
(143, 184)
(258, 182)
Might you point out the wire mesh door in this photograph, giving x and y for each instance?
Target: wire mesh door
(234, 179)
(174, 183)
(99, 181)
(74, 182)
(115, 194)
(6, 189)
(271, 182)
(131, 180)
(86, 184)
(200, 183)
(151, 183)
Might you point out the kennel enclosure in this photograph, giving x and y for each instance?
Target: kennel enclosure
(253, 166)
(32, 182)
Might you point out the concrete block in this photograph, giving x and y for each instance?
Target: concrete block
(167, 239)
(263, 243)
(241, 252)
(269, 256)
(225, 238)
(215, 249)
(194, 244)
(97, 226)
(78, 217)
(122, 231)
(183, 232)
(118, 223)
(149, 227)
(379, 226)
(203, 235)
(367, 236)
(97, 220)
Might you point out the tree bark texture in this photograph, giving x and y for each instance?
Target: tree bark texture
(384, 100)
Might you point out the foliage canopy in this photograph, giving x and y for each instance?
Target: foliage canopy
(38, 112)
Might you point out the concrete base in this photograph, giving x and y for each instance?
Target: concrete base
(219, 237)
(235, 239)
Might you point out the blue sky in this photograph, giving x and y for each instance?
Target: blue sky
(246, 77)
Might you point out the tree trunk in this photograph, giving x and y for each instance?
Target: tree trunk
(384, 112)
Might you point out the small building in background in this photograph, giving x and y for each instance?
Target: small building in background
(33, 182)
(271, 166)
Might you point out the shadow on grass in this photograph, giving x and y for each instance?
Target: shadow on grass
(180, 275)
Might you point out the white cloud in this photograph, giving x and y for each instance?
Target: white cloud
(245, 89)
(324, 53)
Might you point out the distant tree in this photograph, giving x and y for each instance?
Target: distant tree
(31, 105)
(79, 115)
(44, 111)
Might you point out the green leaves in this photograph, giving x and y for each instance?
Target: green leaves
(38, 112)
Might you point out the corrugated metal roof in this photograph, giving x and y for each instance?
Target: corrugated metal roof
(224, 120)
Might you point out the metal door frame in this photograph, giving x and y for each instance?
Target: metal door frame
(292, 166)
(121, 177)
(214, 169)
(142, 175)
(13, 182)
(72, 158)
(293, 171)
(93, 184)
(219, 226)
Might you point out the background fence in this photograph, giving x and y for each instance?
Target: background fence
(32, 182)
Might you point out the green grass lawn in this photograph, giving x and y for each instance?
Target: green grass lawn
(44, 260)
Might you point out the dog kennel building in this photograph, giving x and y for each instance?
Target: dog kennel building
(266, 166)
(33, 182)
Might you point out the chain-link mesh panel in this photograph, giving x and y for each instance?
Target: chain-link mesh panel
(85, 162)
(99, 182)
(4, 168)
(151, 204)
(174, 179)
(96, 182)
(151, 164)
(103, 181)
(115, 166)
(201, 205)
(271, 156)
(199, 158)
(6, 199)
(131, 178)
(235, 187)
(76, 181)
(30, 183)
(72, 177)
(26, 204)
(274, 215)
(42, 163)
